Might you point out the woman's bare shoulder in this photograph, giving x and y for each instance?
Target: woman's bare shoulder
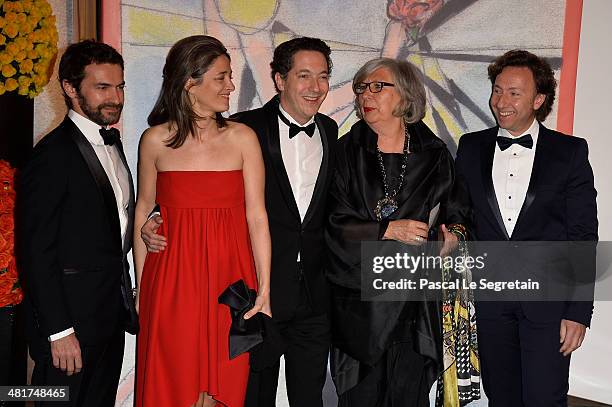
(155, 136)
(240, 133)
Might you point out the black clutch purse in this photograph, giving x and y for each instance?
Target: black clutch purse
(244, 334)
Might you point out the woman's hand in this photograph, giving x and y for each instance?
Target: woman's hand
(262, 304)
(450, 241)
(409, 231)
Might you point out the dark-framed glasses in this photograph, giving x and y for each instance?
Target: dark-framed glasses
(375, 87)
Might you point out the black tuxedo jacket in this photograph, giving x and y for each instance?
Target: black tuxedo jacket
(289, 234)
(70, 253)
(560, 204)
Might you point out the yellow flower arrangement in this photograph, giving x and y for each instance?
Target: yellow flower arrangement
(28, 46)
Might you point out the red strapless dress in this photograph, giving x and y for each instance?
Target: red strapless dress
(183, 341)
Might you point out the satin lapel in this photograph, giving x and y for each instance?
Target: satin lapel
(486, 160)
(99, 175)
(277, 162)
(317, 194)
(540, 157)
(127, 244)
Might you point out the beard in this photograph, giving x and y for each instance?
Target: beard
(95, 113)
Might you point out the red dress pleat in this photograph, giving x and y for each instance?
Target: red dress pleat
(183, 342)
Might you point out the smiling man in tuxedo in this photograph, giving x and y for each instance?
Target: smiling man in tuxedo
(527, 183)
(75, 213)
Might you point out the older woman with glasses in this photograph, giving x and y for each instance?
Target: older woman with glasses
(392, 171)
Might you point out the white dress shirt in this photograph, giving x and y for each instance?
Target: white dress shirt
(116, 172)
(511, 174)
(302, 157)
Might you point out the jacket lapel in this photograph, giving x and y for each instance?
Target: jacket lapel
(486, 160)
(323, 172)
(273, 140)
(101, 179)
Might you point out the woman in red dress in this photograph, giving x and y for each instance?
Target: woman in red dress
(207, 175)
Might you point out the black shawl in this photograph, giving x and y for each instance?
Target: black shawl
(364, 330)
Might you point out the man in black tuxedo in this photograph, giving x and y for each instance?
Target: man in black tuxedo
(74, 224)
(297, 144)
(527, 183)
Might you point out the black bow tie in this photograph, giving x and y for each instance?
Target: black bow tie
(294, 129)
(505, 142)
(110, 136)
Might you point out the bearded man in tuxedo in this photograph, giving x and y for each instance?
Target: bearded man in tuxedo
(74, 223)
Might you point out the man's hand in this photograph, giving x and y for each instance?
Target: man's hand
(66, 354)
(450, 241)
(155, 243)
(572, 334)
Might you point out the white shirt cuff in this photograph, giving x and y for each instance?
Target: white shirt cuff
(61, 335)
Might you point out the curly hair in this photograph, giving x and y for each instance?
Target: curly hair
(81, 54)
(282, 62)
(543, 75)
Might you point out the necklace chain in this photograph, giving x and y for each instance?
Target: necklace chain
(393, 193)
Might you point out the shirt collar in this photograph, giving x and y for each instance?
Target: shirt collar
(291, 119)
(90, 130)
(534, 130)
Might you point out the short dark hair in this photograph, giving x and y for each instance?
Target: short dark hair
(282, 62)
(543, 75)
(78, 56)
(189, 58)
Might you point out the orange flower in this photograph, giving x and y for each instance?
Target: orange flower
(8, 71)
(26, 66)
(7, 225)
(7, 174)
(21, 55)
(9, 16)
(6, 283)
(5, 58)
(12, 48)
(21, 18)
(11, 30)
(10, 291)
(11, 84)
(5, 259)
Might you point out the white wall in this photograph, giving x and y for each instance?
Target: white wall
(591, 370)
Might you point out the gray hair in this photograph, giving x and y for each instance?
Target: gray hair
(407, 83)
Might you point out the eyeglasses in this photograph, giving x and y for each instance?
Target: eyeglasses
(375, 87)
